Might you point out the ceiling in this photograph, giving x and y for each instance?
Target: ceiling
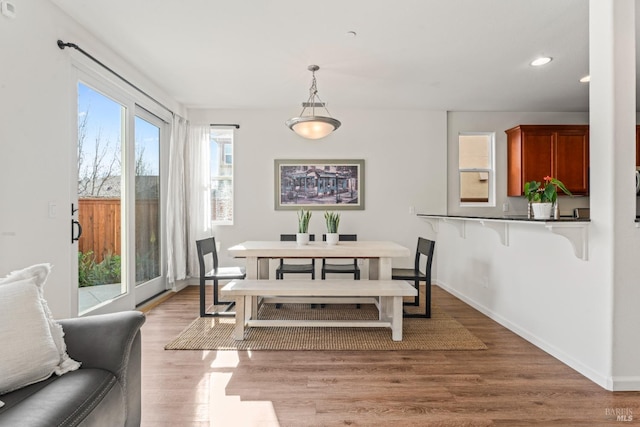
(455, 55)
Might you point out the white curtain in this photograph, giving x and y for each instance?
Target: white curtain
(176, 202)
(198, 183)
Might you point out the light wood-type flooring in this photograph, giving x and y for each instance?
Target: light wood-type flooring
(512, 384)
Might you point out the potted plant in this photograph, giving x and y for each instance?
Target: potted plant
(543, 197)
(302, 237)
(333, 221)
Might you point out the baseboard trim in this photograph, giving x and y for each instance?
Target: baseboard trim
(148, 305)
(624, 384)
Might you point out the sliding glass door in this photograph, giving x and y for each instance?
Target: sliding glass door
(148, 230)
(101, 132)
(120, 201)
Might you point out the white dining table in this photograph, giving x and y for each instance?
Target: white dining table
(379, 253)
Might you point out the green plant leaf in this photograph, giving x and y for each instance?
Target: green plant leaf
(561, 186)
(531, 190)
(333, 221)
(550, 193)
(303, 221)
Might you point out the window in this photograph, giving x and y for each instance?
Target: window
(476, 168)
(222, 176)
(228, 155)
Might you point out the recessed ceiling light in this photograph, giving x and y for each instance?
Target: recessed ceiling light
(351, 34)
(541, 61)
(585, 79)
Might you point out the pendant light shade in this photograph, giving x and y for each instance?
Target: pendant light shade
(313, 126)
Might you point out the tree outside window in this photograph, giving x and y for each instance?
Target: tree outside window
(221, 175)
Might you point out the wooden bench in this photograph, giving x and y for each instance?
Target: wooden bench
(387, 295)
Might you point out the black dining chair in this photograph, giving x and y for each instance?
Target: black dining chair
(306, 268)
(205, 248)
(425, 249)
(350, 268)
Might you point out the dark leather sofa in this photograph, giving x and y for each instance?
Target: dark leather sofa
(105, 391)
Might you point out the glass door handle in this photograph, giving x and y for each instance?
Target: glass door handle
(75, 225)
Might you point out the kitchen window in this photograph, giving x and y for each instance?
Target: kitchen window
(476, 168)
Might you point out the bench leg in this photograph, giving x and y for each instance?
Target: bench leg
(386, 308)
(396, 319)
(238, 333)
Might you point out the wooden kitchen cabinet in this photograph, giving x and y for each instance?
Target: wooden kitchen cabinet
(536, 151)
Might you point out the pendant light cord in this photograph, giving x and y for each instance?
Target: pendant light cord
(313, 94)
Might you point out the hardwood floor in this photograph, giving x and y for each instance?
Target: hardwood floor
(511, 384)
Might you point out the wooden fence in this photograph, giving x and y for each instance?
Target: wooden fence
(100, 219)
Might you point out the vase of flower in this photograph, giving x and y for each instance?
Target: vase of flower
(543, 197)
(302, 239)
(541, 210)
(302, 236)
(333, 221)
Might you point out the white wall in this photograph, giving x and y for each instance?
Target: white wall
(37, 141)
(536, 287)
(405, 166)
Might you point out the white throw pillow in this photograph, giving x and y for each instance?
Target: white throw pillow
(33, 344)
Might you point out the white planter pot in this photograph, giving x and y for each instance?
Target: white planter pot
(541, 210)
(332, 239)
(302, 238)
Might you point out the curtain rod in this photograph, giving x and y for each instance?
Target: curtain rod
(231, 125)
(62, 45)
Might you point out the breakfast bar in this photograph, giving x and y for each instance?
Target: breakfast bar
(573, 229)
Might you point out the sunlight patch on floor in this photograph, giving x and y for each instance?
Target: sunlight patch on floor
(225, 359)
(230, 410)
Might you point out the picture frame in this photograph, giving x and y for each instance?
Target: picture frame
(319, 184)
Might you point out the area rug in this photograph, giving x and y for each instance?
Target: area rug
(440, 332)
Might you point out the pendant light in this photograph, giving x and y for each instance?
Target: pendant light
(313, 126)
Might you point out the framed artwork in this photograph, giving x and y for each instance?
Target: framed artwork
(319, 184)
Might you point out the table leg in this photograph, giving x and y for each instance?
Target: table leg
(396, 319)
(380, 268)
(263, 268)
(252, 267)
(253, 309)
(373, 268)
(384, 268)
(238, 333)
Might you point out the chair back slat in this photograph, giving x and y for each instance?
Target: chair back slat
(205, 247)
(292, 237)
(425, 247)
(343, 237)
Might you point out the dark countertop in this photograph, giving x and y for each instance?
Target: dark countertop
(507, 218)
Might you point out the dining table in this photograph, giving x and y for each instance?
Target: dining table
(379, 253)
